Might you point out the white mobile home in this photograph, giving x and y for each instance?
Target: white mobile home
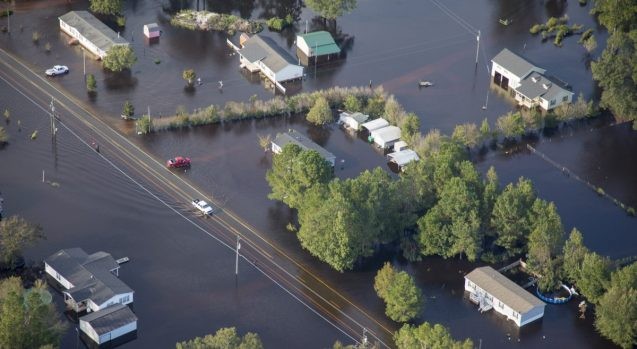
(386, 137)
(375, 124)
(90, 32)
(108, 324)
(264, 55)
(403, 157)
(492, 290)
(353, 120)
(295, 137)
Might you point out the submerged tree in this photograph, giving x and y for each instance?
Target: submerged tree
(106, 7)
(510, 216)
(224, 338)
(331, 9)
(544, 244)
(119, 57)
(320, 113)
(16, 233)
(402, 297)
(428, 336)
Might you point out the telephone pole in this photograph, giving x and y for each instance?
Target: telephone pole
(236, 260)
(53, 126)
(478, 46)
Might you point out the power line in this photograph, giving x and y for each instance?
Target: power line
(463, 23)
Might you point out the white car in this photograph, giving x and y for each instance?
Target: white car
(203, 206)
(57, 70)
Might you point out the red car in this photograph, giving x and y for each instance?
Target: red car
(178, 162)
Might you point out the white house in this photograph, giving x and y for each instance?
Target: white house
(295, 137)
(492, 290)
(264, 55)
(90, 32)
(386, 137)
(108, 324)
(528, 83)
(403, 157)
(316, 46)
(375, 124)
(88, 282)
(352, 120)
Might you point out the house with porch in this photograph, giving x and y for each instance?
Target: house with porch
(89, 282)
(489, 289)
(90, 32)
(316, 47)
(527, 83)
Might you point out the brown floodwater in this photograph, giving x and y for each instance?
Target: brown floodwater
(184, 281)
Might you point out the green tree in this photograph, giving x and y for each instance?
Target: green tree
(352, 104)
(466, 134)
(511, 125)
(91, 83)
(144, 124)
(410, 126)
(545, 242)
(402, 297)
(320, 113)
(375, 107)
(119, 57)
(490, 194)
(510, 216)
(106, 7)
(594, 276)
(294, 171)
(224, 338)
(129, 109)
(331, 9)
(574, 252)
(189, 75)
(428, 336)
(485, 130)
(616, 15)
(616, 313)
(393, 110)
(16, 234)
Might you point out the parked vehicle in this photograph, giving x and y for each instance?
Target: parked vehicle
(203, 207)
(178, 162)
(57, 70)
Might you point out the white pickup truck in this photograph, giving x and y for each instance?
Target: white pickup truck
(202, 206)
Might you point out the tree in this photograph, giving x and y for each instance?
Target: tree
(574, 252)
(616, 15)
(544, 244)
(375, 106)
(320, 113)
(91, 83)
(106, 7)
(485, 130)
(144, 124)
(352, 104)
(129, 109)
(490, 194)
(466, 134)
(616, 313)
(393, 110)
(402, 297)
(410, 126)
(511, 125)
(294, 171)
(428, 336)
(119, 57)
(510, 216)
(189, 75)
(26, 320)
(224, 338)
(265, 142)
(594, 276)
(16, 234)
(331, 9)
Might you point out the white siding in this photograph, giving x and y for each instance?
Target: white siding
(86, 328)
(54, 274)
(118, 332)
(120, 298)
(290, 72)
(559, 100)
(302, 45)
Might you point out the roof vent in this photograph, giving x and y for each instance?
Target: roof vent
(546, 86)
(535, 79)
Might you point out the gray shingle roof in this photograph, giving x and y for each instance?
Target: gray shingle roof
(536, 85)
(514, 63)
(110, 318)
(505, 290)
(266, 50)
(93, 29)
(295, 137)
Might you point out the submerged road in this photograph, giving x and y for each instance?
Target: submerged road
(175, 192)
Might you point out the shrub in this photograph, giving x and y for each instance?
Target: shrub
(129, 109)
(630, 211)
(536, 28)
(352, 104)
(321, 113)
(189, 75)
(91, 83)
(275, 23)
(4, 137)
(47, 47)
(144, 125)
(121, 21)
(35, 36)
(7, 114)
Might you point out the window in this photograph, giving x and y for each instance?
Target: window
(565, 98)
(552, 102)
(516, 315)
(500, 304)
(124, 299)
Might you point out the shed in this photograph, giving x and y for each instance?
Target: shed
(400, 145)
(151, 30)
(375, 124)
(492, 290)
(109, 323)
(353, 120)
(316, 46)
(295, 137)
(386, 137)
(90, 32)
(403, 157)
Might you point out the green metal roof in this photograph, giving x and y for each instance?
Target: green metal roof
(320, 43)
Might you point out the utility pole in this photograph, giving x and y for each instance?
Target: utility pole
(8, 21)
(315, 57)
(53, 126)
(84, 60)
(478, 47)
(306, 26)
(364, 340)
(236, 259)
(149, 120)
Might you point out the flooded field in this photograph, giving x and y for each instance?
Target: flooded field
(182, 277)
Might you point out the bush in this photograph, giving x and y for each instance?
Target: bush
(91, 83)
(536, 28)
(129, 109)
(121, 21)
(35, 36)
(275, 23)
(352, 104)
(47, 47)
(189, 75)
(4, 137)
(321, 113)
(144, 125)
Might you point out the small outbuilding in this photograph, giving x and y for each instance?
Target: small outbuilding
(491, 290)
(375, 124)
(400, 145)
(295, 137)
(109, 323)
(353, 120)
(151, 30)
(403, 157)
(319, 46)
(386, 137)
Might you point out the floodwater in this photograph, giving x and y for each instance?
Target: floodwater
(392, 43)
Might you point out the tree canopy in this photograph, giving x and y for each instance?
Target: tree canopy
(106, 7)
(573, 253)
(331, 9)
(510, 216)
(119, 57)
(544, 245)
(320, 113)
(428, 336)
(16, 233)
(224, 338)
(403, 299)
(593, 276)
